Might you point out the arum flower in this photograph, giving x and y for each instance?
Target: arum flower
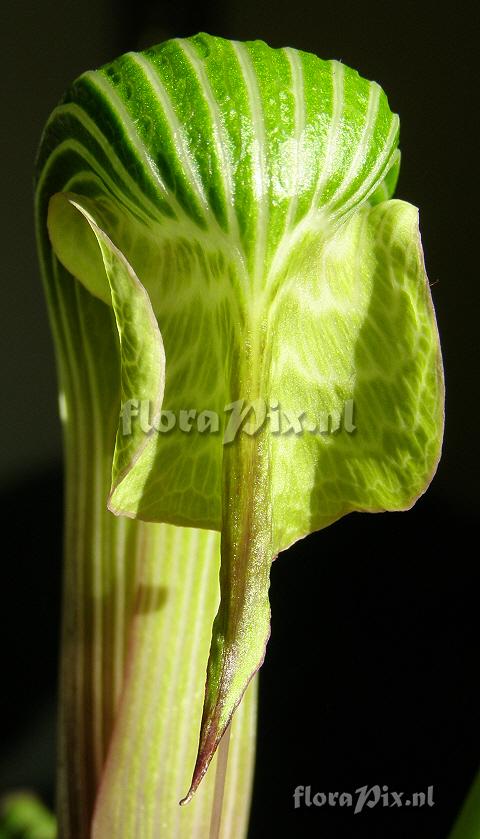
(218, 239)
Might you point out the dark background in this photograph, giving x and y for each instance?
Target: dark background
(371, 672)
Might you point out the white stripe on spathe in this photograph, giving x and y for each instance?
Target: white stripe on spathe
(260, 182)
(329, 161)
(381, 168)
(220, 138)
(74, 110)
(296, 70)
(359, 157)
(131, 134)
(179, 142)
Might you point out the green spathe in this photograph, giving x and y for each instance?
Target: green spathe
(232, 203)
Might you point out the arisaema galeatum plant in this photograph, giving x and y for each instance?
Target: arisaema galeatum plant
(220, 250)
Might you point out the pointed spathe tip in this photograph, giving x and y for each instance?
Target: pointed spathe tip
(187, 798)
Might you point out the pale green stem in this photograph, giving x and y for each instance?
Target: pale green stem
(139, 602)
(220, 777)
